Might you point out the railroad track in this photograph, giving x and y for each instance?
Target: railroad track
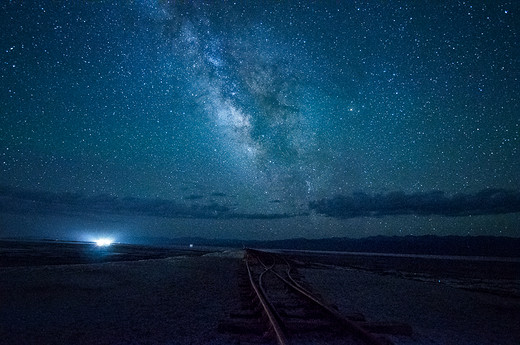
(278, 309)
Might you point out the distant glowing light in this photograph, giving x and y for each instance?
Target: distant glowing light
(104, 242)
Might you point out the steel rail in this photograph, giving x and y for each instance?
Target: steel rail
(279, 334)
(353, 328)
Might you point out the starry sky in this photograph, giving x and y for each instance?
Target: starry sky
(261, 120)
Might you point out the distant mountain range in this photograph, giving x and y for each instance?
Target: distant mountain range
(429, 244)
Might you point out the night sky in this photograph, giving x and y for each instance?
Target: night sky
(261, 120)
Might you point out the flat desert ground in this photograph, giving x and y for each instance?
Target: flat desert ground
(181, 300)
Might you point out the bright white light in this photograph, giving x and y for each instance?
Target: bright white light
(104, 242)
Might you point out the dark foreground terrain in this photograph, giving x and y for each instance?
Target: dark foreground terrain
(499, 276)
(76, 293)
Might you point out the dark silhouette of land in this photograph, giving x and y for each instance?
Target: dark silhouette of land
(426, 245)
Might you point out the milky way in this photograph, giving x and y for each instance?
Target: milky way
(250, 93)
(278, 115)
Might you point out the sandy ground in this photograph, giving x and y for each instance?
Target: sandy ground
(438, 314)
(168, 301)
(181, 300)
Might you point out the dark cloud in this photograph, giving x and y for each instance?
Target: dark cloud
(485, 202)
(193, 197)
(20, 201)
